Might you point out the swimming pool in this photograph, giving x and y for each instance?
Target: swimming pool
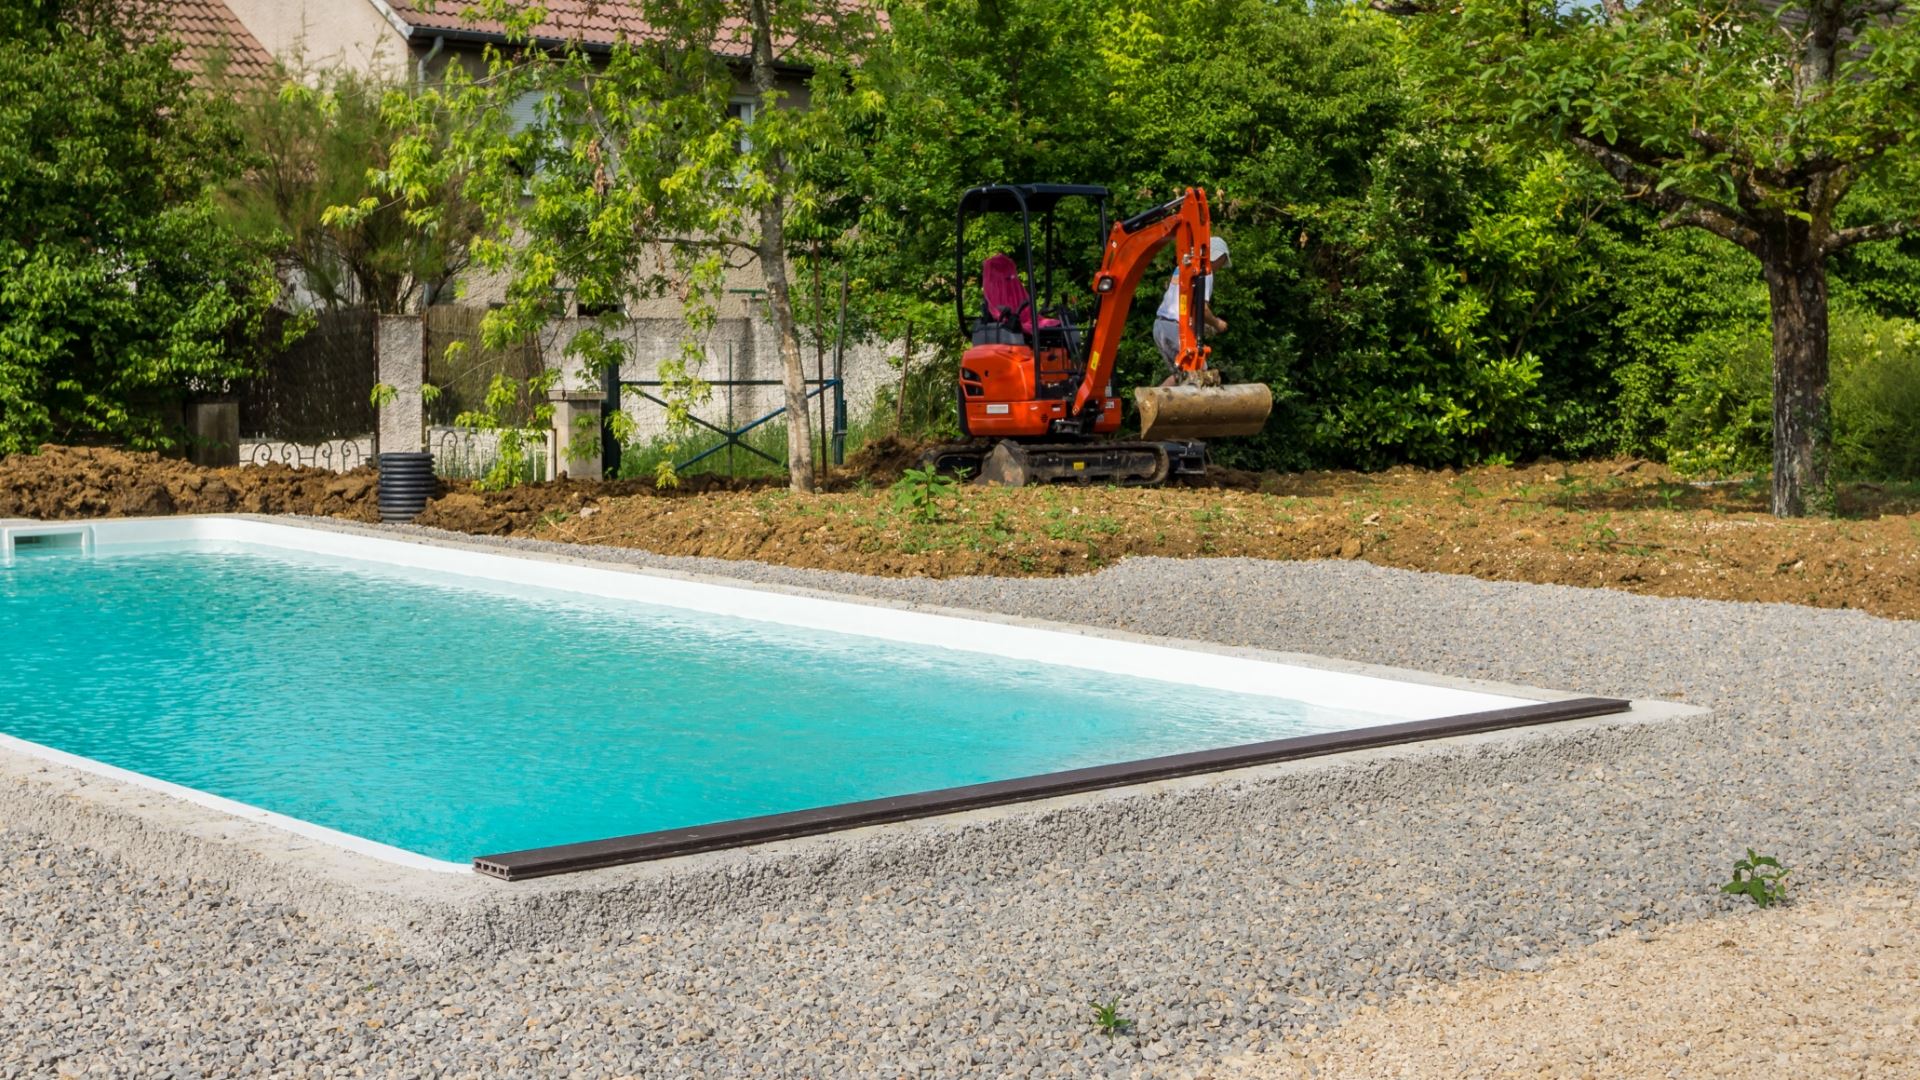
(446, 707)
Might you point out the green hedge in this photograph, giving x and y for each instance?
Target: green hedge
(1721, 417)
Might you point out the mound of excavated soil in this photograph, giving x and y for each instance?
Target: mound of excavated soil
(1612, 524)
(63, 482)
(497, 513)
(89, 482)
(883, 460)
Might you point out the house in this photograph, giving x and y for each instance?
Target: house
(211, 36)
(415, 40)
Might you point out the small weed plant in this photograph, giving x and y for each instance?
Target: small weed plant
(1759, 878)
(918, 493)
(1107, 1019)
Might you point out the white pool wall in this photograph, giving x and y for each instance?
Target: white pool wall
(1330, 689)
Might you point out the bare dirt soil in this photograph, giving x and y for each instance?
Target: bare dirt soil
(1827, 988)
(1620, 524)
(1612, 524)
(89, 482)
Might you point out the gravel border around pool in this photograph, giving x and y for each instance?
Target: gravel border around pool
(459, 913)
(1279, 911)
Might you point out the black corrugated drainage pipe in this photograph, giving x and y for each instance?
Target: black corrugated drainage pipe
(406, 483)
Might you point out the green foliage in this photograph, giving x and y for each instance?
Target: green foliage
(121, 286)
(1756, 122)
(1412, 289)
(1881, 278)
(1720, 416)
(617, 177)
(644, 459)
(519, 414)
(1107, 1019)
(1727, 116)
(1759, 878)
(918, 493)
(314, 142)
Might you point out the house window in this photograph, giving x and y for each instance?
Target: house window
(524, 114)
(743, 110)
(525, 110)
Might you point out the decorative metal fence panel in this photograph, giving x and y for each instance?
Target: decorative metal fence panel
(313, 403)
(471, 453)
(337, 455)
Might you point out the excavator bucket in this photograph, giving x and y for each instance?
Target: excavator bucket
(1202, 412)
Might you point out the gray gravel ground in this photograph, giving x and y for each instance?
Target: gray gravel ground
(1214, 944)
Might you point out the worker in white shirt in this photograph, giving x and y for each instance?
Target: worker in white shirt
(1166, 324)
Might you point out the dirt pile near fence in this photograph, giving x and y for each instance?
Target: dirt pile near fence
(91, 482)
(883, 460)
(74, 482)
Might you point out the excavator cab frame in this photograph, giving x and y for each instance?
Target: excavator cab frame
(1026, 200)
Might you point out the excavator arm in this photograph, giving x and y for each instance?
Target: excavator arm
(1198, 408)
(1131, 248)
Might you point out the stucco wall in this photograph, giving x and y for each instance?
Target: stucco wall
(750, 349)
(327, 33)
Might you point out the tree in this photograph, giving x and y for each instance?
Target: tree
(632, 177)
(313, 140)
(1755, 120)
(121, 286)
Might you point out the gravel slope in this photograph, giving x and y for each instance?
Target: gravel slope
(1818, 988)
(1217, 946)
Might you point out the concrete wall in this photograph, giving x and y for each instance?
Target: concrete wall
(328, 33)
(753, 345)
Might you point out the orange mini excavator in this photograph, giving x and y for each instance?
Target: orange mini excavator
(1036, 387)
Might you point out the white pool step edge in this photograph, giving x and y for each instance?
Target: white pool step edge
(1331, 689)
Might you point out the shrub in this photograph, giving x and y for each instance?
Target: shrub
(1721, 419)
(121, 287)
(1876, 400)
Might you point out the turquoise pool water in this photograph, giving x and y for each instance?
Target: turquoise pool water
(453, 717)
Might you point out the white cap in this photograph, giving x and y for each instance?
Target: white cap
(1217, 250)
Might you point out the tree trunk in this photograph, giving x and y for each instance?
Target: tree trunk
(1798, 292)
(773, 263)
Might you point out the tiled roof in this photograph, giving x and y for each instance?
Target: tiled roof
(209, 33)
(591, 22)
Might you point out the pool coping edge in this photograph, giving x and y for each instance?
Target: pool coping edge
(770, 828)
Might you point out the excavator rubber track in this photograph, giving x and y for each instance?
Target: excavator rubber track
(1123, 464)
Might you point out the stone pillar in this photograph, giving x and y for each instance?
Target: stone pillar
(215, 427)
(401, 345)
(573, 411)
